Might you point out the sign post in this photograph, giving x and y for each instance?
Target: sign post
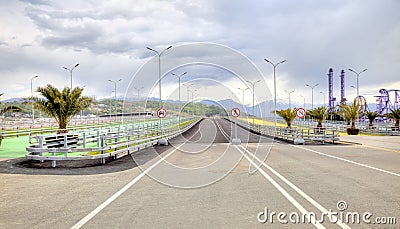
(162, 113)
(235, 112)
(300, 113)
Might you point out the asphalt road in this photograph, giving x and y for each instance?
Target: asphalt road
(202, 181)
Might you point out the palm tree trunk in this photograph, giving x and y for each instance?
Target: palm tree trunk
(353, 124)
(62, 128)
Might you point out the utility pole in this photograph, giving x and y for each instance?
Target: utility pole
(115, 95)
(312, 94)
(357, 75)
(33, 109)
(289, 92)
(70, 71)
(275, 65)
(253, 84)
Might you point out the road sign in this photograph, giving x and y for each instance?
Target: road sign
(235, 112)
(161, 113)
(301, 112)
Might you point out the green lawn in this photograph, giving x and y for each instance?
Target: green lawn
(14, 147)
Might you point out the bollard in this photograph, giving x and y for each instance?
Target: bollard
(103, 160)
(84, 140)
(65, 144)
(53, 163)
(40, 145)
(98, 138)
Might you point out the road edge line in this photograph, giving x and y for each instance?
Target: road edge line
(299, 191)
(349, 161)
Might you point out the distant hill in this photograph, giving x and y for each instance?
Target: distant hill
(12, 100)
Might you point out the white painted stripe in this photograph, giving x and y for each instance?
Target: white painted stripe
(299, 191)
(349, 161)
(92, 214)
(283, 191)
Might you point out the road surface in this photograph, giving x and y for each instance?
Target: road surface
(202, 181)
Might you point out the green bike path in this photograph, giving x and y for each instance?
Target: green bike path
(14, 147)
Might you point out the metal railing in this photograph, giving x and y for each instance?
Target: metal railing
(24, 127)
(379, 127)
(101, 144)
(294, 135)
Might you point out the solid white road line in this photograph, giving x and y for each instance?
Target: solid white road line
(349, 161)
(283, 191)
(299, 191)
(92, 214)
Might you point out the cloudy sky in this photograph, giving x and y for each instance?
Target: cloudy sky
(109, 38)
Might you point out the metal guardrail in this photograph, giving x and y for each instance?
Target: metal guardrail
(74, 125)
(294, 135)
(380, 128)
(113, 144)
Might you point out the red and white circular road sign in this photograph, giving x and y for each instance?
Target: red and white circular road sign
(235, 112)
(161, 113)
(301, 112)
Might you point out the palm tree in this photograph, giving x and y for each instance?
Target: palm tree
(350, 113)
(320, 114)
(288, 115)
(8, 108)
(395, 115)
(371, 115)
(61, 105)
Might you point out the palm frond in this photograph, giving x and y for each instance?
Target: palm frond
(288, 115)
(10, 108)
(62, 105)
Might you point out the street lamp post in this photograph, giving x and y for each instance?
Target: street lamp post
(110, 106)
(289, 92)
(357, 75)
(354, 88)
(193, 101)
(179, 99)
(324, 97)
(70, 72)
(161, 141)
(243, 90)
(275, 65)
(179, 79)
(304, 107)
(138, 91)
(159, 69)
(33, 109)
(83, 87)
(115, 95)
(253, 84)
(187, 90)
(138, 95)
(312, 94)
(304, 101)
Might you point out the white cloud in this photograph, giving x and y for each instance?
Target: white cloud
(108, 39)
